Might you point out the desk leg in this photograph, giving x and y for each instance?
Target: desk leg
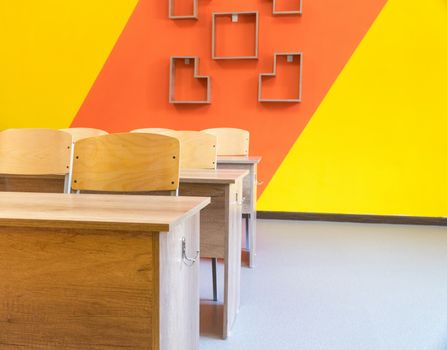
(233, 259)
(249, 188)
(179, 287)
(220, 237)
(252, 239)
(253, 186)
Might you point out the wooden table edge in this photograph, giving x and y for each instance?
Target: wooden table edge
(240, 160)
(104, 225)
(208, 180)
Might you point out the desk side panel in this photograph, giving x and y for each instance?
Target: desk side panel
(249, 185)
(76, 289)
(233, 260)
(249, 188)
(213, 218)
(179, 287)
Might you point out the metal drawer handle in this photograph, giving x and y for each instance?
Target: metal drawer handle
(188, 261)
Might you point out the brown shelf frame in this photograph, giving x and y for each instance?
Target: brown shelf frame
(194, 15)
(293, 12)
(294, 55)
(234, 15)
(195, 60)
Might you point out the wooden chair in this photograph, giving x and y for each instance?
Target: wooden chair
(231, 141)
(197, 149)
(152, 130)
(82, 133)
(128, 162)
(35, 160)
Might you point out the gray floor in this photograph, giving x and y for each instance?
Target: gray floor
(343, 286)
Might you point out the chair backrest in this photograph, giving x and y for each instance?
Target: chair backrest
(231, 141)
(128, 162)
(152, 130)
(35, 152)
(197, 149)
(82, 133)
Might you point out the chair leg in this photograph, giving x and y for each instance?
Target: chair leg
(214, 268)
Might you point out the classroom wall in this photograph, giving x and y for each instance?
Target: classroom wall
(368, 137)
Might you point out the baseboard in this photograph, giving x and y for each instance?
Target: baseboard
(371, 219)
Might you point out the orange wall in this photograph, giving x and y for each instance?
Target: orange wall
(132, 88)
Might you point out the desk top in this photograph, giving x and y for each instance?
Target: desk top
(97, 211)
(239, 159)
(211, 176)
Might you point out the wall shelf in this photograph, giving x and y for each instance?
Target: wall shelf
(186, 85)
(188, 9)
(287, 7)
(289, 86)
(235, 35)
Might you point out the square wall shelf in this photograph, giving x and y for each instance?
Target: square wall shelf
(287, 7)
(235, 35)
(186, 85)
(183, 9)
(284, 84)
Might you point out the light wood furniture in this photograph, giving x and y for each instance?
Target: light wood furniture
(99, 271)
(220, 236)
(206, 80)
(34, 160)
(297, 10)
(83, 133)
(197, 149)
(126, 162)
(250, 183)
(79, 134)
(252, 16)
(152, 130)
(294, 58)
(231, 141)
(192, 15)
(233, 144)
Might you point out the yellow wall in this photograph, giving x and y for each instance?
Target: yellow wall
(378, 142)
(52, 52)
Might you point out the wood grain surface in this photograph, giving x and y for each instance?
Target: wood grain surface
(35, 152)
(197, 149)
(213, 219)
(126, 162)
(238, 159)
(77, 290)
(249, 188)
(32, 183)
(179, 287)
(211, 176)
(82, 133)
(220, 237)
(233, 259)
(95, 211)
(231, 141)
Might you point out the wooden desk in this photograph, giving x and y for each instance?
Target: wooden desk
(249, 196)
(220, 235)
(98, 271)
